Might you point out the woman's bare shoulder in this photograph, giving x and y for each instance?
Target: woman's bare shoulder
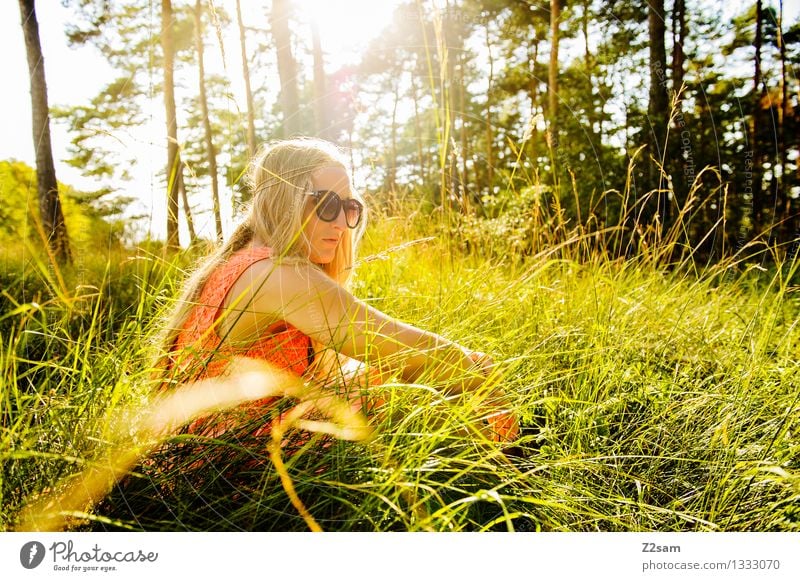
(275, 283)
(268, 291)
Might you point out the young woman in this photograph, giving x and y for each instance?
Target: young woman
(277, 290)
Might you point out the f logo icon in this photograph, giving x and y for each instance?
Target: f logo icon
(31, 554)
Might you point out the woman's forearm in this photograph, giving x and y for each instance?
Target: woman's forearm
(446, 361)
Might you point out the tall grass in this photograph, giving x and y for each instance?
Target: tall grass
(657, 392)
(656, 395)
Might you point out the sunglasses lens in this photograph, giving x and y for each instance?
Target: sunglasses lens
(329, 204)
(352, 212)
(328, 207)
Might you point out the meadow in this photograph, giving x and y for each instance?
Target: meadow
(657, 393)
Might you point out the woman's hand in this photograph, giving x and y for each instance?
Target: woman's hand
(502, 424)
(483, 362)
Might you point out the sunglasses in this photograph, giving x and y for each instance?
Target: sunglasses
(329, 204)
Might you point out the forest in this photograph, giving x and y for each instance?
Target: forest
(604, 195)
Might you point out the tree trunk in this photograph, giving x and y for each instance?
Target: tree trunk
(187, 210)
(287, 68)
(251, 126)
(658, 102)
(321, 120)
(533, 93)
(391, 169)
(174, 165)
(678, 38)
(211, 153)
(592, 113)
(489, 129)
(423, 164)
(449, 84)
(679, 140)
(757, 201)
(462, 105)
(50, 210)
(552, 78)
(784, 200)
(587, 54)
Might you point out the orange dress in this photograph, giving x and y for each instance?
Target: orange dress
(201, 347)
(200, 353)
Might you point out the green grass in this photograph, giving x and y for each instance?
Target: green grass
(655, 397)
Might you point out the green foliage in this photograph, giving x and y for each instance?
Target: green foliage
(92, 220)
(452, 101)
(114, 109)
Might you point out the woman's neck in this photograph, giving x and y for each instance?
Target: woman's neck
(256, 242)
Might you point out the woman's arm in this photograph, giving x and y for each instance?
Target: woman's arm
(325, 311)
(329, 314)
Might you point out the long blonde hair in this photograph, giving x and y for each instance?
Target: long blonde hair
(277, 177)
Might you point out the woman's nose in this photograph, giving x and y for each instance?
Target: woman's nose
(341, 220)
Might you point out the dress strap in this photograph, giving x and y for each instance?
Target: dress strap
(222, 279)
(227, 273)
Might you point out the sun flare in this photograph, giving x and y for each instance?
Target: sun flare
(346, 27)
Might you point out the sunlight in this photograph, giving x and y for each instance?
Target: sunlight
(346, 27)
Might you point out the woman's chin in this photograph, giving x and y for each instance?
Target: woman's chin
(323, 258)
(323, 253)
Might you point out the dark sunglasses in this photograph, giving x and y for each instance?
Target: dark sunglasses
(329, 204)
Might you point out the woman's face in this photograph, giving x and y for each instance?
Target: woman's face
(324, 237)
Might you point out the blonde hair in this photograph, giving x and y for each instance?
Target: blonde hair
(278, 177)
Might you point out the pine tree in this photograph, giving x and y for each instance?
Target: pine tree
(52, 215)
